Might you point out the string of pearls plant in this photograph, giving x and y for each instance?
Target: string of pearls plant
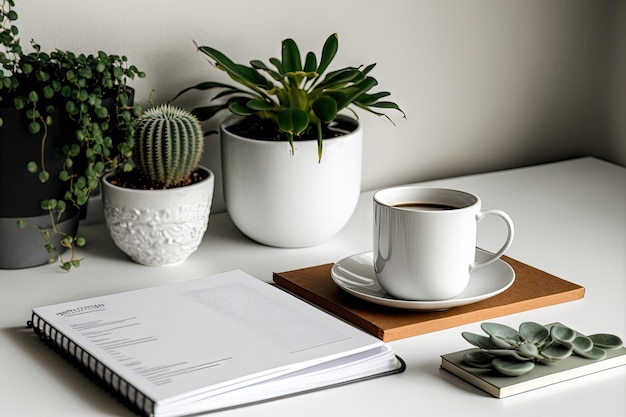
(90, 93)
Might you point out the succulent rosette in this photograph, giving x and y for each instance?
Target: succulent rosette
(513, 352)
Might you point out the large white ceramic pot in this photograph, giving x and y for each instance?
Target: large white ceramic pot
(158, 227)
(284, 199)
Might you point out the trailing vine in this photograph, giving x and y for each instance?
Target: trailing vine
(89, 91)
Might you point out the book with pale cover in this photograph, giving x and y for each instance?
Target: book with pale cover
(501, 386)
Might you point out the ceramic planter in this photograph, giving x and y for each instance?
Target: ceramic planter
(158, 227)
(284, 199)
(21, 192)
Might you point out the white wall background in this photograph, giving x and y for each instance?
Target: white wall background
(485, 84)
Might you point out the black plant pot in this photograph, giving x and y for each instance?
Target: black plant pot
(21, 192)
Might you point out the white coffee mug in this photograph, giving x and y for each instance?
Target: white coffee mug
(425, 241)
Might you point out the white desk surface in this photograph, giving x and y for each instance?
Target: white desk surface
(570, 220)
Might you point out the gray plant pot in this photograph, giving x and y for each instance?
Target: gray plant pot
(24, 248)
(21, 192)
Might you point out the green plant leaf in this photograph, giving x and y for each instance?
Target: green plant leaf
(238, 72)
(512, 368)
(582, 344)
(310, 63)
(508, 353)
(349, 94)
(478, 359)
(261, 66)
(34, 127)
(325, 108)
(293, 121)
(328, 52)
(368, 69)
(529, 350)
(205, 86)
(533, 332)
(19, 103)
(279, 65)
(101, 112)
(369, 99)
(206, 112)
(387, 105)
(252, 76)
(44, 176)
(595, 353)
(500, 330)
(49, 204)
(606, 341)
(556, 352)
(291, 56)
(340, 78)
(240, 109)
(320, 140)
(562, 334)
(480, 341)
(501, 342)
(259, 105)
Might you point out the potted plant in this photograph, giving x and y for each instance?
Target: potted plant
(65, 119)
(276, 190)
(158, 212)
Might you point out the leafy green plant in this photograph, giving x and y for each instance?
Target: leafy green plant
(92, 93)
(511, 352)
(293, 93)
(168, 146)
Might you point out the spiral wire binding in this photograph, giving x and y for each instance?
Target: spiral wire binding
(89, 366)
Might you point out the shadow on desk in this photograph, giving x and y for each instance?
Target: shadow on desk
(50, 364)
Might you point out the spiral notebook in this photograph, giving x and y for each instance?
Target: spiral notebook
(209, 344)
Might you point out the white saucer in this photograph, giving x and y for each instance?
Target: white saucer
(355, 275)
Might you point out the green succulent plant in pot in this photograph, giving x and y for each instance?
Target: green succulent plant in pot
(65, 119)
(158, 212)
(291, 153)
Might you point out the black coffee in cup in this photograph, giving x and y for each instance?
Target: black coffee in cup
(424, 206)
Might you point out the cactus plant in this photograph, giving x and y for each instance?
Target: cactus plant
(168, 145)
(512, 353)
(159, 211)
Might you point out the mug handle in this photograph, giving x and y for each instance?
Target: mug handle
(509, 224)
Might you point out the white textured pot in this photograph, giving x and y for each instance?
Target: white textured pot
(290, 200)
(158, 227)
